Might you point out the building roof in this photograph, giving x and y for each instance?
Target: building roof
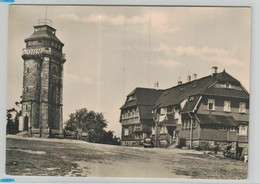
(142, 96)
(145, 112)
(177, 94)
(43, 34)
(226, 93)
(225, 77)
(208, 119)
(169, 120)
(190, 104)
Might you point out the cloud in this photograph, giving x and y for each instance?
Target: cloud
(209, 54)
(163, 48)
(71, 16)
(76, 79)
(168, 63)
(103, 18)
(157, 21)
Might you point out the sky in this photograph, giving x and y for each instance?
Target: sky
(111, 50)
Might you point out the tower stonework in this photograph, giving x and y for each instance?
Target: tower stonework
(42, 82)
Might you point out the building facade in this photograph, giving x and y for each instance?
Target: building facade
(201, 113)
(42, 82)
(136, 116)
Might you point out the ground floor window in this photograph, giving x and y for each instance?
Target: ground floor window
(153, 130)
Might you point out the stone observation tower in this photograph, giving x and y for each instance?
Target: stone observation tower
(42, 81)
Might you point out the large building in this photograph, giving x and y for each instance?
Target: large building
(42, 82)
(199, 113)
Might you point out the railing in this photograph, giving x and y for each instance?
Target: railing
(138, 128)
(242, 138)
(42, 50)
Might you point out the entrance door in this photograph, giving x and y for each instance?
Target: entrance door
(171, 130)
(26, 123)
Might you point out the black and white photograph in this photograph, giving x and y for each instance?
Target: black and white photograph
(128, 91)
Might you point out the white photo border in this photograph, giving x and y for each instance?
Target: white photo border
(254, 136)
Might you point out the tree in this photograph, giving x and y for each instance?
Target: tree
(12, 117)
(93, 123)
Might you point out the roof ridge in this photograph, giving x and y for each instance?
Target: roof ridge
(183, 84)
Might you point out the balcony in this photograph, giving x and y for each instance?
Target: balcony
(138, 128)
(42, 51)
(242, 138)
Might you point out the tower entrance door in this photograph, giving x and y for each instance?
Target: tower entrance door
(26, 123)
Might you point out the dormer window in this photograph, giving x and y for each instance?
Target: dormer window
(228, 85)
(163, 111)
(131, 98)
(191, 98)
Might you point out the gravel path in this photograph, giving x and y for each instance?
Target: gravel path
(61, 157)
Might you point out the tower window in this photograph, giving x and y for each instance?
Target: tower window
(40, 43)
(26, 107)
(27, 89)
(27, 70)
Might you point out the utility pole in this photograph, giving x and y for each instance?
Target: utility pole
(191, 130)
(156, 120)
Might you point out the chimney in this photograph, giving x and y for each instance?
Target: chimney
(179, 81)
(188, 78)
(156, 85)
(194, 76)
(214, 70)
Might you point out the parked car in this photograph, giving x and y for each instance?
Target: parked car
(148, 143)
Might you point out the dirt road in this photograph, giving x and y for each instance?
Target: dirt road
(58, 157)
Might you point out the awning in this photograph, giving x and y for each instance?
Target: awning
(208, 119)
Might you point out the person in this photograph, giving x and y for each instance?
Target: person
(216, 149)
